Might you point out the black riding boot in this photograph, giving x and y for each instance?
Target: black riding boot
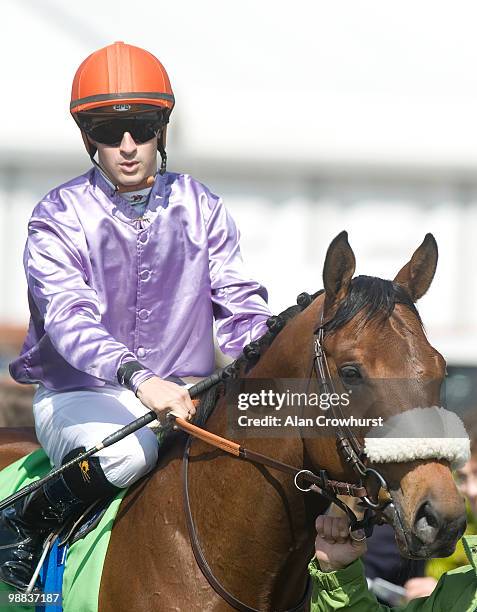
(25, 525)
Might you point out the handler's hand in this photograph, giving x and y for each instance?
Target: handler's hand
(419, 587)
(165, 397)
(334, 548)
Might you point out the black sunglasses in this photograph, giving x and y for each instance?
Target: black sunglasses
(111, 131)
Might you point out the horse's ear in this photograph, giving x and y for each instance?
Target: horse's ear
(338, 270)
(416, 276)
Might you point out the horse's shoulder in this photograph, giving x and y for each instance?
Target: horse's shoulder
(16, 442)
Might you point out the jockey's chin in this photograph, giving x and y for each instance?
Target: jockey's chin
(129, 163)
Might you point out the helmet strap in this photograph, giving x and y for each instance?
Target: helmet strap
(88, 144)
(103, 172)
(162, 151)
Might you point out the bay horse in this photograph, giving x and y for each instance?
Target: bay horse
(256, 529)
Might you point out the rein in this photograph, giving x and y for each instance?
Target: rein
(200, 557)
(233, 448)
(348, 446)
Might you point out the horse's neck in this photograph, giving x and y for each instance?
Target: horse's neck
(266, 524)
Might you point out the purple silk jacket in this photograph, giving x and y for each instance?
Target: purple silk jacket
(106, 286)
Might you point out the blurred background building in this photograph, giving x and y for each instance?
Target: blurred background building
(307, 118)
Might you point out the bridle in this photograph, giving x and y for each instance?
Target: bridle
(348, 445)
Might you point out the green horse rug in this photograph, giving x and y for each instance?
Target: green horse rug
(76, 568)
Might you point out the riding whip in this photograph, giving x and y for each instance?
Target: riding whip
(194, 391)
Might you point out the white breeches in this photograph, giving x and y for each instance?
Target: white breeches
(65, 420)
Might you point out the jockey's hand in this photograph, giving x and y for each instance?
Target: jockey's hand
(333, 546)
(164, 397)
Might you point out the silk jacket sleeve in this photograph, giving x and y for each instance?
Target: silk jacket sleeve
(69, 307)
(240, 304)
(347, 589)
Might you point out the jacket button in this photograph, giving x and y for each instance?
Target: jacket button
(143, 238)
(141, 351)
(145, 275)
(143, 314)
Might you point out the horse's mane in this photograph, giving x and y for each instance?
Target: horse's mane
(373, 297)
(276, 324)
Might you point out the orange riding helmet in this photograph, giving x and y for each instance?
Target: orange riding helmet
(118, 80)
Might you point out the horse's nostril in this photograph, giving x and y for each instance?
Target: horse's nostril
(427, 512)
(427, 523)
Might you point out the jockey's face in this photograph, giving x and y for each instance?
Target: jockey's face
(128, 163)
(467, 482)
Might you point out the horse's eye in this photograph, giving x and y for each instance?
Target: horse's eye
(351, 375)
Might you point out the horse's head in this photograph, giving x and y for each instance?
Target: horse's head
(375, 345)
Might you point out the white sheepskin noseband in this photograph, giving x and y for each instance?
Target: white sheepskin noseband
(436, 433)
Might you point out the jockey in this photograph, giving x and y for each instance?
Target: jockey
(127, 267)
